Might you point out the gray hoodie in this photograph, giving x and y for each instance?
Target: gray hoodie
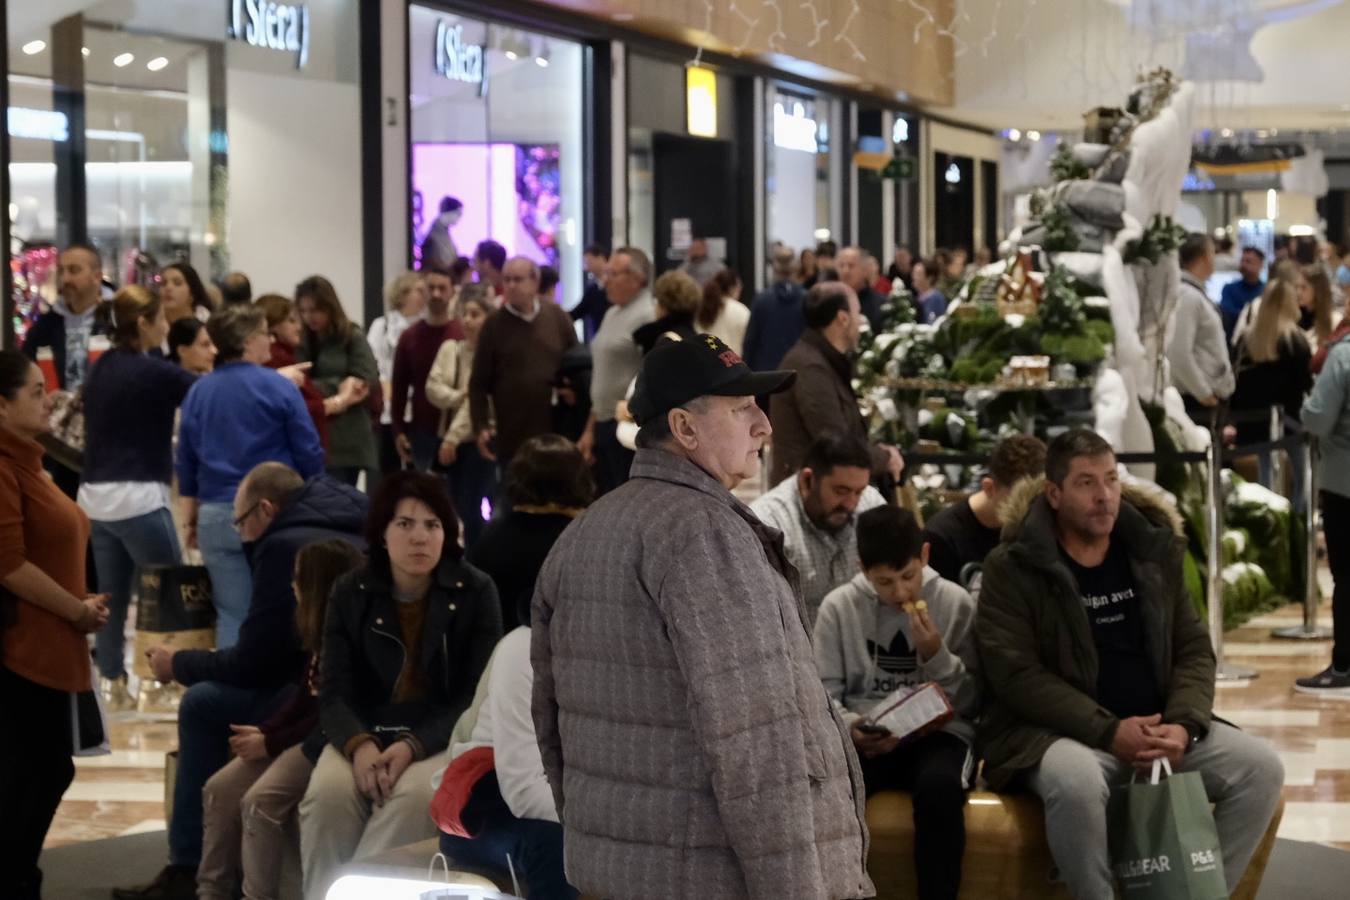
(864, 650)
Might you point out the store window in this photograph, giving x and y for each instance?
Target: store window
(679, 182)
(496, 120)
(191, 131)
(803, 169)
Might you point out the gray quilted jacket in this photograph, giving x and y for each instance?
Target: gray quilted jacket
(690, 745)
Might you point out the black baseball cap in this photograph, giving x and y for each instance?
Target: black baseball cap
(675, 372)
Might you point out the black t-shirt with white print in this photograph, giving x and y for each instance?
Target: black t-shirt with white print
(1126, 683)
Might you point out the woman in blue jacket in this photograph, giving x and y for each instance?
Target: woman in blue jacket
(240, 415)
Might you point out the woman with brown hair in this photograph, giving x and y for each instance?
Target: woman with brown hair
(406, 640)
(45, 615)
(130, 402)
(722, 313)
(472, 478)
(345, 372)
(183, 293)
(283, 325)
(1273, 366)
(678, 298)
(549, 485)
(249, 803)
(1317, 315)
(808, 272)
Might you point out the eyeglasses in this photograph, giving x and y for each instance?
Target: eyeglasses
(239, 522)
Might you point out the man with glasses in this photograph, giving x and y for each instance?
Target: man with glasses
(276, 513)
(615, 358)
(519, 351)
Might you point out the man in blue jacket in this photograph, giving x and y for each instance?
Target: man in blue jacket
(776, 321)
(276, 513)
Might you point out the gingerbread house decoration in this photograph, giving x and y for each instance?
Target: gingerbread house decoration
(1019, 290)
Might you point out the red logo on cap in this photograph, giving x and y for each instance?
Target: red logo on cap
(729, 358)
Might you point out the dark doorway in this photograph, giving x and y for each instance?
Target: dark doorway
(871, 186)
(954, 190)
(989, 176)
(693, 182)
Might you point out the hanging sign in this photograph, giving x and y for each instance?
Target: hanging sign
(274, 26)
(460, 62)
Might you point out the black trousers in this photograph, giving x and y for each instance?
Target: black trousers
(1336, 526)
(35, 770)
(931, 770)
(612, 459)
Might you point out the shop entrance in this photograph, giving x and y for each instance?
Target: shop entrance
(694, 197)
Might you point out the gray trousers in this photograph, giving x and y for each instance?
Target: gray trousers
(1242, 775)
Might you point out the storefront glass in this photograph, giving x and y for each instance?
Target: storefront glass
(194, 131)
(496, 122)
(803, 168)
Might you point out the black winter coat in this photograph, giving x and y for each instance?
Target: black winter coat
(363, 655)
(268, 653)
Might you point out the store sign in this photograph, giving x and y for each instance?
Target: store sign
(459, 62)
(38, 124)
(274, 26)
(700, 91)
(794, 131)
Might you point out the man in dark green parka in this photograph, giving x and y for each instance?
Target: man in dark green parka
(1096, 664)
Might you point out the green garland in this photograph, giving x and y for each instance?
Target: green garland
(1160, 238)
(1059, 234)
(1065, 167)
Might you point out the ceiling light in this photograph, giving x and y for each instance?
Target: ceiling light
(541, 62)
(1033, 135)
(1014, 134)
(511, 54)
(1263, 134)
(34, 47)
(1227, 132)
(157, 63)
(122, 60)
(84, 51)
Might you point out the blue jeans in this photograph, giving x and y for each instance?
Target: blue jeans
(205, 715)
(535, 846)
(120, 549)
(231, 577)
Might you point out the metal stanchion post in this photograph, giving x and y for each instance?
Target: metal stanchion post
(1308, 631)
(1214, 585)
(1276, 458)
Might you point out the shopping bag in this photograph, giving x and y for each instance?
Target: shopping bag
(174, 610)
(89, 721)
(1163, 842)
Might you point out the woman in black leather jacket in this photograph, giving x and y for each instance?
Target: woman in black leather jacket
(405, 643)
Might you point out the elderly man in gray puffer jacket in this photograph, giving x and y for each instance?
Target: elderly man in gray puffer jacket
(691, 747)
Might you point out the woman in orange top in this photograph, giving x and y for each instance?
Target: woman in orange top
(44, 617)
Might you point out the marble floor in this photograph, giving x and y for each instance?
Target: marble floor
(123, 793)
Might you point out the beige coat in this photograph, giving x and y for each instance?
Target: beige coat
(448, 391)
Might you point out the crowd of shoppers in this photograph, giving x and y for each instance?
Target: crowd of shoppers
(449, 631)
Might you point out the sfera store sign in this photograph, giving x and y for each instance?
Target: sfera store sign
(457, 61)
(274, 26)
